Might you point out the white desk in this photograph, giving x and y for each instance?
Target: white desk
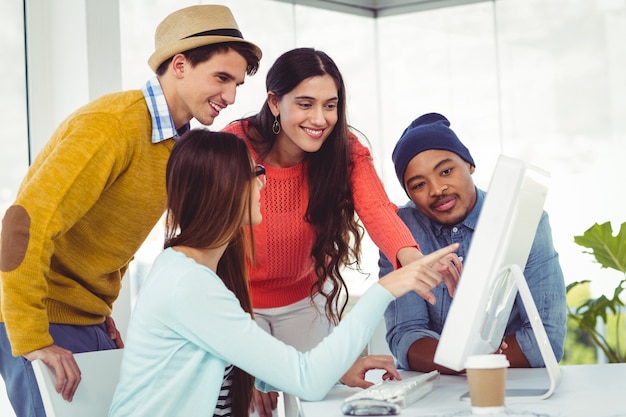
(584, 391)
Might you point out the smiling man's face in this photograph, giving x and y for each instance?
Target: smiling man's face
(440, 184)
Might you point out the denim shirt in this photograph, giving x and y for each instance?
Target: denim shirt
(410, 317)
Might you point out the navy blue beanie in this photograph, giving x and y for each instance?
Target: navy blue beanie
(429, 131)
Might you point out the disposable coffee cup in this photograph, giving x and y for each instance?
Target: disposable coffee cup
(486, 376)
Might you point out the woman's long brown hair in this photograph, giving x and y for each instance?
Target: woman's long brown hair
(330, 209)
(209, 182)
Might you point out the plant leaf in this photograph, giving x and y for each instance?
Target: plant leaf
(609, 250)
(575, 284)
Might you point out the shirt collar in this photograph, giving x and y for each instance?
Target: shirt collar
(472, 218)
(162, 123)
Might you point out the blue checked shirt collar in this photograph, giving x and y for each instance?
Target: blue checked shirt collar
(162, 123)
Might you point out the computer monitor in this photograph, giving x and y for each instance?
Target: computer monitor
(493, 273)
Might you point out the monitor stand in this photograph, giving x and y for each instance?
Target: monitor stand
(552, 366)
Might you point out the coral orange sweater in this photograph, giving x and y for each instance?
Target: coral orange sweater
(283, 273)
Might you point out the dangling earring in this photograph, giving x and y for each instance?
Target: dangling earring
(276, 126)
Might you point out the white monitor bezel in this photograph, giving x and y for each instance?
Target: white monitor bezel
(500, 246)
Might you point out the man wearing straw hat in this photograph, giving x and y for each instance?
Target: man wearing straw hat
(94, 193)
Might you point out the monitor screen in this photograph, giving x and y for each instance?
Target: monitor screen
(493, 271)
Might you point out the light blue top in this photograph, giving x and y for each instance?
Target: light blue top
(186, 327)
(410, 317)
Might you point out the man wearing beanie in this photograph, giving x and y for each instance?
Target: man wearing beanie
(435, 169)
(94, 193)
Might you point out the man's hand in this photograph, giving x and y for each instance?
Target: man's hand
(64, 366)
(450, 268)
(264, 402)
(113, 333)
(513, 352)
(355, 377)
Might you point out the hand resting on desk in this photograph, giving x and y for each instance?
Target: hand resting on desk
(355, 376)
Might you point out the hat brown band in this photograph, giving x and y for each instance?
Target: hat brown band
(234, 33)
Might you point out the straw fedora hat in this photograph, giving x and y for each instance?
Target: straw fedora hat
(192, 27)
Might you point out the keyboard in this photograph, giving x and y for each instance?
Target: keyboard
(389, 397)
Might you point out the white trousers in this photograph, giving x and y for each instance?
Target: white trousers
(303, 325)
(300, 324)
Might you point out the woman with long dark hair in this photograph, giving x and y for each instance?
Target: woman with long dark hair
(319, 178)
(192, 345)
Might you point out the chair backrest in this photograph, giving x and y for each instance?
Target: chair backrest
(100, 372)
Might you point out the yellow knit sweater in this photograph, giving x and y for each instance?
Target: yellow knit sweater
(88, 202)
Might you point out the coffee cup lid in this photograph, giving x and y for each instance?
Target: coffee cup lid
(486, 362)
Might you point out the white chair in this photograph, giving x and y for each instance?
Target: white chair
(100, 372)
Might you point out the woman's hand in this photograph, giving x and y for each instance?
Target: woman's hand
(419, 275)
(449, 266)
(264, 403)
(355, 377)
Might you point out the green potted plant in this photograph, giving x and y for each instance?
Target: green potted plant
(610, 252)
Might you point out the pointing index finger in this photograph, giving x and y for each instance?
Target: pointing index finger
(431, 258)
